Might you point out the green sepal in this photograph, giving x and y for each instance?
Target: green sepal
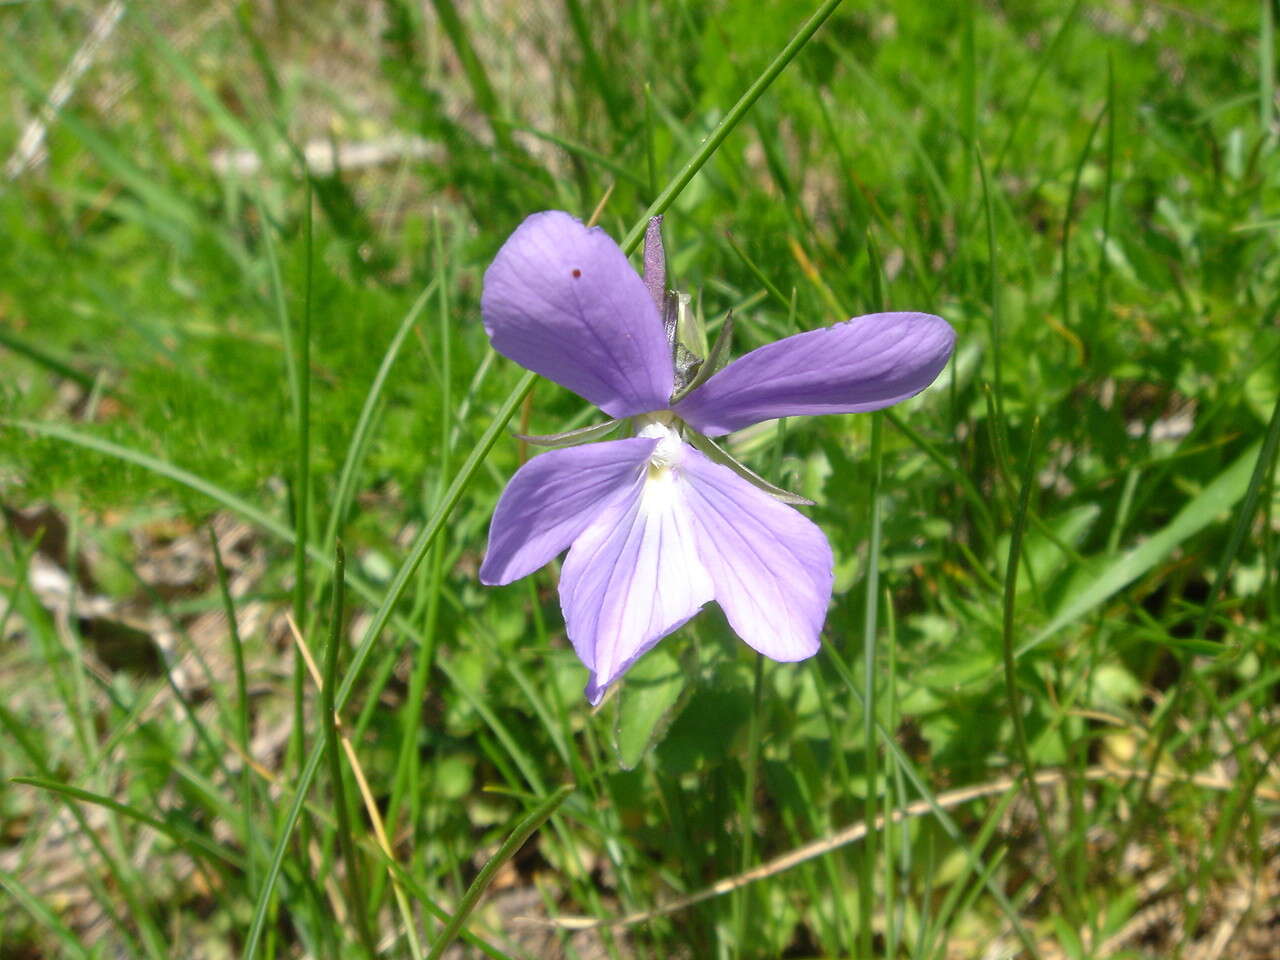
(570, 438)
(721, 456)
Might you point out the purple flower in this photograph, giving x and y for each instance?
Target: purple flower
(656, 527)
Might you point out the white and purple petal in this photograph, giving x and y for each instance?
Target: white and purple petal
(865, 363)
(562, 299)
(553, 498)
(632, 577)
(770, 565)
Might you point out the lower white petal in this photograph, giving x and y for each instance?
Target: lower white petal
(633, 576)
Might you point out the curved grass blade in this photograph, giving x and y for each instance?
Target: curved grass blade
(188, 839)
(364, 423)
(1221, 494)
(523, 830)
(157, 466)
(730, 121)
(43, 915)
(1046, 60)
(242, 702)
(46, 360)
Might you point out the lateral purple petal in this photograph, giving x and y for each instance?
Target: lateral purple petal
(865, 363)
(633, 577)
(553, 498)
(563, 300)
(771, 566)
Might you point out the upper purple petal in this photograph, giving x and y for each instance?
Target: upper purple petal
(771, 566)
(865, 363)
(633, 577)
(562, 300)
(552, 499)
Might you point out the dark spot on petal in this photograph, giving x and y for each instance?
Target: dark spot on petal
(576, 273)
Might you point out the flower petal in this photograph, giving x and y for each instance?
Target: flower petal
(552, 499)
(865, 363)
(633, 577)
(563, 300)
(771, 566)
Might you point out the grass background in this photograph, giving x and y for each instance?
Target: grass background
(239, 284)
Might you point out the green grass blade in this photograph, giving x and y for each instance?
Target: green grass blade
(247, 804)
(46, 359)
(522, 831)
(601, 78)
(1043, 61)
(159, 467)
(1010, 607)
(1064, 268)
(185, 837)
(871, 800)
(747, 812)
(360, 436)
(1104, 262)
(944, 819)
(1221, 494)
(1263, 463)
(481, 88)
(1266, 65)
(731, 120)
(329, 731)
(42, 915)
(870, 630)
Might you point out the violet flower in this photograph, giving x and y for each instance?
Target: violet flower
(662, 522)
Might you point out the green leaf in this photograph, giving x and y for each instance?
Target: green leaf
(648, 700)
(1212, 501)
(964, 668)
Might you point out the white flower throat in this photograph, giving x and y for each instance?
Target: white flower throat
(663, 466)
